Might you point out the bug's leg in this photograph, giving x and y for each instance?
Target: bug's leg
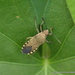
(50, 31)
(49, 41)
(36, 26)
(28, 37)
(42, 24)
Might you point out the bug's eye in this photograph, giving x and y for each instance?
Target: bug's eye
(27, 49)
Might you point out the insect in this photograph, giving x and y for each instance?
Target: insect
(32, 45)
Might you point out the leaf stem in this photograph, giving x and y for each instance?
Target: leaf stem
(46, 66)
(45, 51)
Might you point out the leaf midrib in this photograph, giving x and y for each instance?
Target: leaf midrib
(63, 60)
(23, 64)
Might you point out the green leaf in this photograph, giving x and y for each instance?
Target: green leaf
(17, 23)
(71, 6)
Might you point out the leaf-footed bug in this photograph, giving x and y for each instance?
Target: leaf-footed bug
(32, 45)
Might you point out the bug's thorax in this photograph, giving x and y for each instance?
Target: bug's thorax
(46, 32)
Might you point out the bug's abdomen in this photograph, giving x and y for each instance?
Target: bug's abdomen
(34, 43)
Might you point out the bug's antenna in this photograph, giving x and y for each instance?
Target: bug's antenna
(54, 35)
(57, 39)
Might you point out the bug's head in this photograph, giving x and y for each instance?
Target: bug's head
(46, 32)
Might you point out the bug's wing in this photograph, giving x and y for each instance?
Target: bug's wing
(27, 49)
